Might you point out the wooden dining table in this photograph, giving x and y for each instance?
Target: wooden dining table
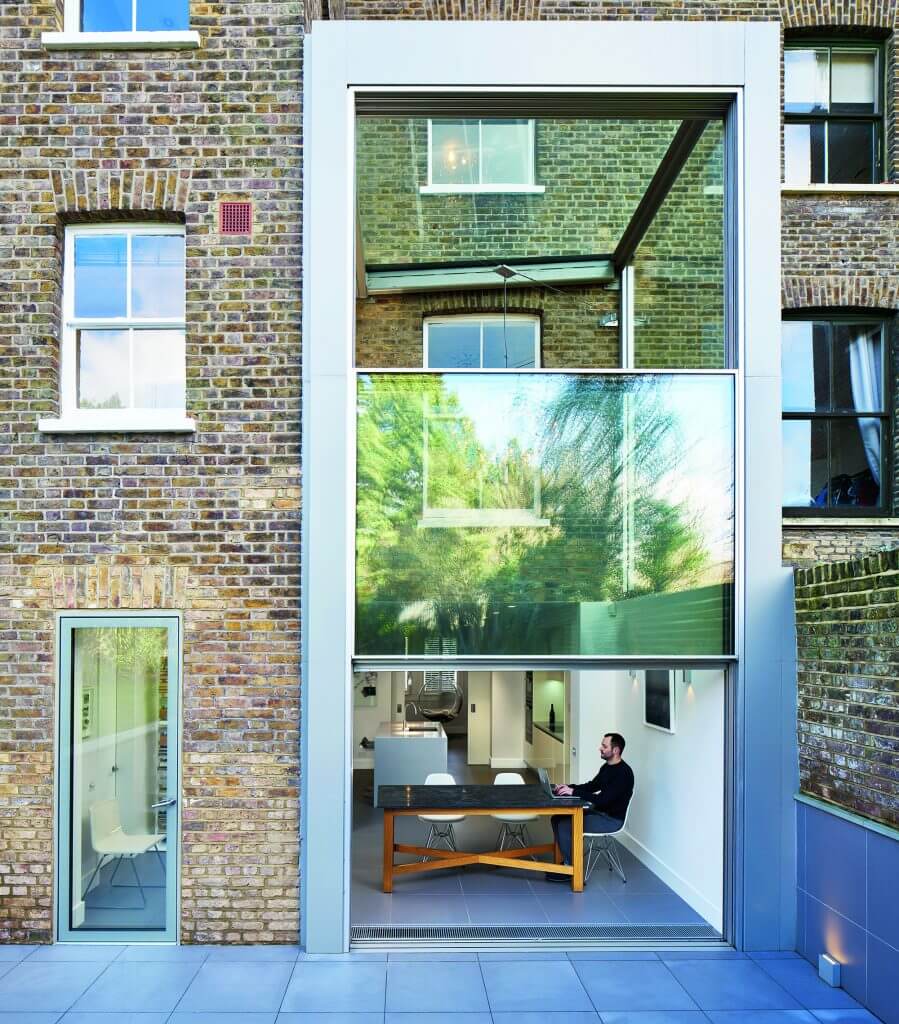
(400, 801)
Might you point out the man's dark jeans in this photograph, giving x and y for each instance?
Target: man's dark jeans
(596, 822)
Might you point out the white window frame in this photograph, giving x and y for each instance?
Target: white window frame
(483, 318)
(525, 187)
(72, 38)
(72, 418)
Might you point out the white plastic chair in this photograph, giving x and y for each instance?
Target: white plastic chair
(514, 827)
(441, 825)
(600, 844)
(112, 843)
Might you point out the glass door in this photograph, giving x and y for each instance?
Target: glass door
(118, 790)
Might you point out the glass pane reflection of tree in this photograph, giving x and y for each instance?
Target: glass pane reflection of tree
(545, 514)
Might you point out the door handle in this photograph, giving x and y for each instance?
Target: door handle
(164, 803)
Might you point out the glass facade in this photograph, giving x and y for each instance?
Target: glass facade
(545, 514)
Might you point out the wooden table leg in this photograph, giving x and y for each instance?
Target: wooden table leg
(577, 849)
(557, 853)
(388, 851)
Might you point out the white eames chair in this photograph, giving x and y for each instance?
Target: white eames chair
(514, 827)
(599, 844)
(441, 825)
(111, 843)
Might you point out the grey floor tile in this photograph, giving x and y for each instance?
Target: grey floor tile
(373, 1017)
(437, 909)
(654, 1017)
(731, 985)
(354, 957)
(612, 954)
(15, 952)
(119, 1016)
(253, 954)
(165, 954)
(73, 952)
(495, 909)
(237, 988)
(801, 980)
(149, 987)
(448, 1017)
(458, 956)
(846, 1016)
(340, 987)
(220, 1017)
(438, 987)
(774, 954)
(528, 955)
(569, 907)
(548, 1017)
(516, 987)
(701, 954)
(43, 987)
(632, 986)
(28, 1017)
(761, 1017)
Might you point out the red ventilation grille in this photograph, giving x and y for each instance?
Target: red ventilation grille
(236, 218)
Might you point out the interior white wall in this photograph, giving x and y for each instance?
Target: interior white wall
(676, 823)
(507, 725)
(480, 723)
(367, 719)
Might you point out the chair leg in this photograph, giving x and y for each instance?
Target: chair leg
(96, 870)
(143, 898)
(428, 841)
(614, 860)
(501, 838)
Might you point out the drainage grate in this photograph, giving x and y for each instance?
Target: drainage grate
(406, 934)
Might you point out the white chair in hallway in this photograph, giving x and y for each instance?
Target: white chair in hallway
(111, 843)
(514, 827)
(600, 844)
(441, 825)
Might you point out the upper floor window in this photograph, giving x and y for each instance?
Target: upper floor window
(134, 15)
(123, 355)
(495, 342)
(835, 416)
(833, 114)
(481, 155)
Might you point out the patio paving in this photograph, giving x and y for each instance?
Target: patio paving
(82, 984)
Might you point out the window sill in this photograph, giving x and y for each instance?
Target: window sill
(860, 522)
(481, 517)
(120, 40)
(884, 188)
(101, 422)
(452, 190)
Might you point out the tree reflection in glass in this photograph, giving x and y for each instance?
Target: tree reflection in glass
(545, 513)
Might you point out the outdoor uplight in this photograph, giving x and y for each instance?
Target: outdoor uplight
(829, 969)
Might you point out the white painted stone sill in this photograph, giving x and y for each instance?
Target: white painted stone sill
(888, 188)
(105, 424)
(467, 190)
(188, 40)
(859, 522)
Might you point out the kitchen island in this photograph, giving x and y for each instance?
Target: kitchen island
(406, 753)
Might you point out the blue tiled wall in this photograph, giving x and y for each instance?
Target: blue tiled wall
(848, 905)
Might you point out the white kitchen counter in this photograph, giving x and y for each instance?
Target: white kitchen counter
(405, 757)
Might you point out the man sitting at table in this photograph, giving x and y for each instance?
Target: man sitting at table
(609, 792)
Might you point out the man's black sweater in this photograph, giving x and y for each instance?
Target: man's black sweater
(610, 791)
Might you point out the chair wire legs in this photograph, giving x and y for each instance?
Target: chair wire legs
(603, 846)
(438, 834)
(511, 834)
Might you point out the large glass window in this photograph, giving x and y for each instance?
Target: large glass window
(124, 331)
(833, 114)
(836, 419)
(545, 513)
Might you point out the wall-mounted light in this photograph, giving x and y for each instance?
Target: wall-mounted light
(829, 970)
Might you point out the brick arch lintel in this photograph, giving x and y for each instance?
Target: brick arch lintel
(105, 194)
(835, 292)
(839, 14)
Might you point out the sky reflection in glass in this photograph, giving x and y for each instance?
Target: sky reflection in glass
(100, 275)
(545, 514)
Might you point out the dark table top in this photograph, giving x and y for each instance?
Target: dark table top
(460, 798)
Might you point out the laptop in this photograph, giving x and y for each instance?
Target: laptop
(543, 776)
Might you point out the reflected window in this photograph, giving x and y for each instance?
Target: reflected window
(482, 342)
(836, 419)
(833, 114)
(482, 154)
(130, 16)
(123, 345)
(578, 513)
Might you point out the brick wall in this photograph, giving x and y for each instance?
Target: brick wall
(207, 524)
(847, 615)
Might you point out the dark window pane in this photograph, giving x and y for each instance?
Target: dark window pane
(854, 82)
(106, 16)
(162, 15)
(803, 153)
(857, 368)
(805, 81)
(453, 346)
(850, 152)
(855, 462)
(804, 464)
(806, 366)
